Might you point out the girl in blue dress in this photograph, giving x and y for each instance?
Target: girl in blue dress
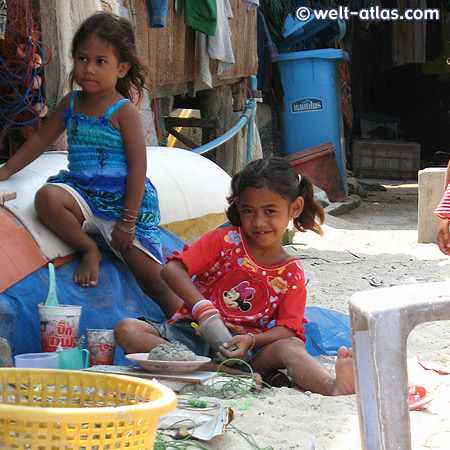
(105, 189)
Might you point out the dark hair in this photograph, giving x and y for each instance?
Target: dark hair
(277, 175)
(118, 32)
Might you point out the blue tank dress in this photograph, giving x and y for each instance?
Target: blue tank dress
(98, 170)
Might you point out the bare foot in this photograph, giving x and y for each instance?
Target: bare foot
(86, 274)
(345, 377)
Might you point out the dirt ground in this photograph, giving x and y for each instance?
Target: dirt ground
(372, 246)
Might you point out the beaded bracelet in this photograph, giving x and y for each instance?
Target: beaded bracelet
(130, 211)
(126, 219)
(200, 312)
(211, 312)
(199, 303)
(129, 215)
(130, 230)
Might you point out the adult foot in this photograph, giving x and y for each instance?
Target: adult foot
(86, 274)
(345, 377)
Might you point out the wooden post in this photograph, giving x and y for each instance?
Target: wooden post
(217, 104)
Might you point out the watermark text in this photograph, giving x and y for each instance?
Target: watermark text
(373, 13)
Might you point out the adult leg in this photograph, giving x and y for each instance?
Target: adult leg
(60, 212)
(304, 370)
(148, 274)
(136, 336)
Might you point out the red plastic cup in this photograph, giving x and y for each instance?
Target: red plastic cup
(101, 346)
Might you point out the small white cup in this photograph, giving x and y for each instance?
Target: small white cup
(48, 360)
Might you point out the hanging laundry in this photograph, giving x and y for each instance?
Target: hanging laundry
(265, 38)
(252, 3)
(200, 15)
(157, 13)
(218, 47)
(204, 71)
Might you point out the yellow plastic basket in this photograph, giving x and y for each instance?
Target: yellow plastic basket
(74, 410)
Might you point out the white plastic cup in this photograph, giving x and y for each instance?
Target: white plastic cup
(47, 360)
(101, 346)
(214, 331)
(59, 326)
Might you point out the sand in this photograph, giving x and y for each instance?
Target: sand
(374, 245)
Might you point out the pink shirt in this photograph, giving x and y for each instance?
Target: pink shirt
(249, 296)
(443, 209)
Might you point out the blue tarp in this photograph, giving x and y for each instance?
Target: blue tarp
(326, 331)
(118, 296)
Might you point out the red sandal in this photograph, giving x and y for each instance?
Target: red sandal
(417, 398)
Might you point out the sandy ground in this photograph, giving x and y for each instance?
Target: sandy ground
(374, 245)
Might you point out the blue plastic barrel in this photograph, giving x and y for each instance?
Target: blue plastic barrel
(312, 104)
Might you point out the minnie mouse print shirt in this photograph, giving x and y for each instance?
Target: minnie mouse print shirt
(250, 297)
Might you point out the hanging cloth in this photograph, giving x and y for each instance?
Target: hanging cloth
(218, 47)
(200, 15)
(252, 3)
(157, 13)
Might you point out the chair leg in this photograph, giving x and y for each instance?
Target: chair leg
(381, 322)
(381, 382)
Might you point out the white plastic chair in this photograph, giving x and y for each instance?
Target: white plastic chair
(381, 322)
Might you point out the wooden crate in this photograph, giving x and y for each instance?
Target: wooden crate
(396, 160)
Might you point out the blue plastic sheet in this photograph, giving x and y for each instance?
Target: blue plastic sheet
(118, 296)
(326, 331)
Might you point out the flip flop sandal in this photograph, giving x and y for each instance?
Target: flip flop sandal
(417, 398)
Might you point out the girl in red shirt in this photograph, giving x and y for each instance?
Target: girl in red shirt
(243, 273)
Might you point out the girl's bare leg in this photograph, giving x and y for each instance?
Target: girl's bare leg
(136, 336)
(60, 212)
(148, 274)
(304, 370)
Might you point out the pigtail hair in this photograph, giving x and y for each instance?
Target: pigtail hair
(312, 216)
(277, 175)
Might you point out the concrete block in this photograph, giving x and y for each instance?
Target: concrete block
(381, 322)
(431, 188)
